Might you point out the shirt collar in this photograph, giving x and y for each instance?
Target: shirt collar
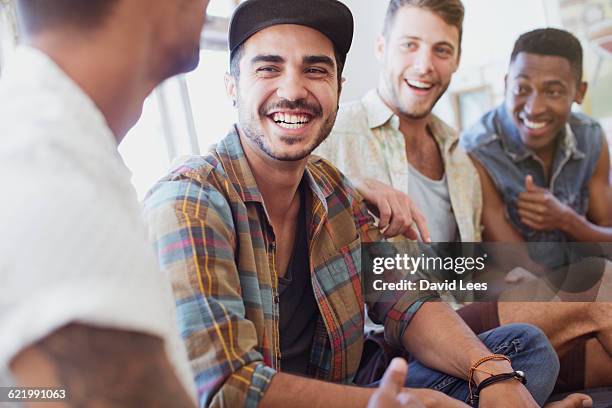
(516, 149)
(236, 165)
(379, 114)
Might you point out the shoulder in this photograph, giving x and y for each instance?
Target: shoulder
(330, 179)
(481, 134)
(351, 121)
(348, 139)
(203, 172)
(196, 186)
(586, 129)
(351, 116)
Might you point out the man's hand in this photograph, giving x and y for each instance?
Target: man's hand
(390, 393)
(511, 394)
(540, 209)
(572, 401)
(520, 275)
(397, 213)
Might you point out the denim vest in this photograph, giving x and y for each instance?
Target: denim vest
(495, 142)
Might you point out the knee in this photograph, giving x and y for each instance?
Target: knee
(530, 351)
(530, 339)
(598, 314)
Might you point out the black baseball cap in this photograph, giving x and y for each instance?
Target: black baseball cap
(330, 17)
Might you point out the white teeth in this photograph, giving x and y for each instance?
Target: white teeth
(290, 125)
(419, 84)
(289, 121)
(534, 125)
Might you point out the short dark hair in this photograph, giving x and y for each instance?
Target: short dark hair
(38, 15)
(236, 56)
(451, 11)
(552, 42)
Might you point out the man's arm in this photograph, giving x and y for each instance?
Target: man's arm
(397, 213)
(597, 226)
(287, 390)
(455, 352)
(496, 225)
(497, 228)
(102, 368)
(542, 211)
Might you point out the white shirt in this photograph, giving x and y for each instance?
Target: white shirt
(73, 248)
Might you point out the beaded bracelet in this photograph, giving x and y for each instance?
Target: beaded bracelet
(515, 375)
(474, 368)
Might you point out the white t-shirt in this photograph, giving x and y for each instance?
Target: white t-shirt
(73, 248)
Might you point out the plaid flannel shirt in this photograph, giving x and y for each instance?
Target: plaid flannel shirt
(214, 240)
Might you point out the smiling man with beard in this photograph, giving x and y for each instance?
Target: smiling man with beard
(391, 138)
(262, 243)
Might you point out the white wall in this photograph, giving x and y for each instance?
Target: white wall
(361, 70)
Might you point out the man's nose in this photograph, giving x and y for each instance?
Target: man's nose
(423, 62)
(535, 105)
(292, 87)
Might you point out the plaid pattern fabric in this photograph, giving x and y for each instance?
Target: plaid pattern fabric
(213, 238)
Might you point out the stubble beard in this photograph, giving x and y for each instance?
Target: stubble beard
(251, 129)
(412, 113)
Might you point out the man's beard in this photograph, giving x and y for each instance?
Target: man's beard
(413, 114)
(251, 129)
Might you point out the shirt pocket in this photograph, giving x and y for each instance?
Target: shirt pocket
(341, 281)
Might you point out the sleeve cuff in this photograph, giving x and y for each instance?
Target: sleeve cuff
(400, 316)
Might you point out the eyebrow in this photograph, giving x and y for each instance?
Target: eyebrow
(307, 60)
(412, 37)
(319, 59)
(267, 58)
(552, 82)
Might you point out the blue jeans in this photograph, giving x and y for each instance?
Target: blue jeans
(527, 347)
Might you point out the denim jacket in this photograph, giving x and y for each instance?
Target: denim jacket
(495, 142)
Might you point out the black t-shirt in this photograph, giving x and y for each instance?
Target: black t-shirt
(299, 311)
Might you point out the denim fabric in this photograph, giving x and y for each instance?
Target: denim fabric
(495, 142)
(527, 347)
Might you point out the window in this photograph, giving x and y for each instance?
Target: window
(8, 31)
(186, 114)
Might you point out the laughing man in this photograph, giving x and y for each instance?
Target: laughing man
(262, 243)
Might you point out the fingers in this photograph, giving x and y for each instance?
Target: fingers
(395, 376)
(533, 197)
(531, 206)
(384, 214)
(401, 218)
(421, 223)
(404, 217)
(408, 400)
(529, 184)
(518, 275)
(572, 401)
(535, 221)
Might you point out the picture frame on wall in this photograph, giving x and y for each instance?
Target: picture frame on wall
(470, 105)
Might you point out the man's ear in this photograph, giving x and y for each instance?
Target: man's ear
(581, 93)
(231, 88)
(381, 43)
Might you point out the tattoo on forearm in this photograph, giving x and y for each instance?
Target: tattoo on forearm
(113, 368)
